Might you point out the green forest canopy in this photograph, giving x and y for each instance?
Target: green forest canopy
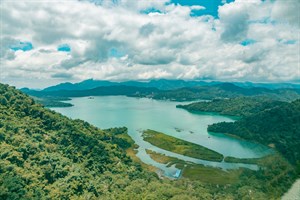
(238, 106)
(278, 126)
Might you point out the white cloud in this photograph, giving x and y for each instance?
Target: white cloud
(197, 7)
(286, 11)
(170, 44)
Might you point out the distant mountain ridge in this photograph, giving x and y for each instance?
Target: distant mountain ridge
(239, 106)
(98, 91)
(161, 84)
(226, 90)
(208, 92)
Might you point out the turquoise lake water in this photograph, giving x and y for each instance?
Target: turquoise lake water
(138, 114)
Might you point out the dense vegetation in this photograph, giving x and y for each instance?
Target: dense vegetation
(243, 160)
(52, 102)
(239, 106)
(278, 127)
(44, 155)
(48, 101)
(194, 171)
(274, 172)
(225, 90)
(264, 120)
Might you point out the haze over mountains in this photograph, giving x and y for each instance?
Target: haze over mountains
(162, 84)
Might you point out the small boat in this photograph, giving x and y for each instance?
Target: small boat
(90, 97)
(177, 173)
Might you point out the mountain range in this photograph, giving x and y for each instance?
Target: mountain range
(203, 90)
(161, 84)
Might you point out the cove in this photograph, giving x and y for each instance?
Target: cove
(139, 114)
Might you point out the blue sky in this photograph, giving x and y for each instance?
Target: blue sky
(64, 47)
(211, 6)
(23, 46)
(48, 43)
(247, 42)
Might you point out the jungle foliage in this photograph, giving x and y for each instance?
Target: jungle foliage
(277, 127)
(239, 106)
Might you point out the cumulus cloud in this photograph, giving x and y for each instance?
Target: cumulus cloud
(234, 18)
(197, 7)
(286, 11)
(119, 41)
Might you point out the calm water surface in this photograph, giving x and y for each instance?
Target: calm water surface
(141, 113)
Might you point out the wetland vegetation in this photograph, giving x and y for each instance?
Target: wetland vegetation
(179, 146)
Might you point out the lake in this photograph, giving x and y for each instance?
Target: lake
(138, 114)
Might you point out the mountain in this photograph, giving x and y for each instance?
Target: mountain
(84, 85)
(207, 92)
(269, 85)
(99, 91)
(225, 90)
(239, 106)
(278, 127)
(162, 84)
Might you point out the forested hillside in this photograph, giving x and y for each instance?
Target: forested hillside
(278, 127)
(206, 92)
(225, 90)
(44, 155)
(239, 106)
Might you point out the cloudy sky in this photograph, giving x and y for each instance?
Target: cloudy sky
(49, 41)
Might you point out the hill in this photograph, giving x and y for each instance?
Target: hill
(225, 90)
(239, 106)
(44, 155)
(84, 85)
(277, 127)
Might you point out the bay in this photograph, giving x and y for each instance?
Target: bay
(139, 114)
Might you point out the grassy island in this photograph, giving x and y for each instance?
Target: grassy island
(179, 146)
(230, 159)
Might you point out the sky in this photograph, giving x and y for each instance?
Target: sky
(49, 41)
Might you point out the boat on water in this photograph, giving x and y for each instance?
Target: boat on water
(177, 173)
